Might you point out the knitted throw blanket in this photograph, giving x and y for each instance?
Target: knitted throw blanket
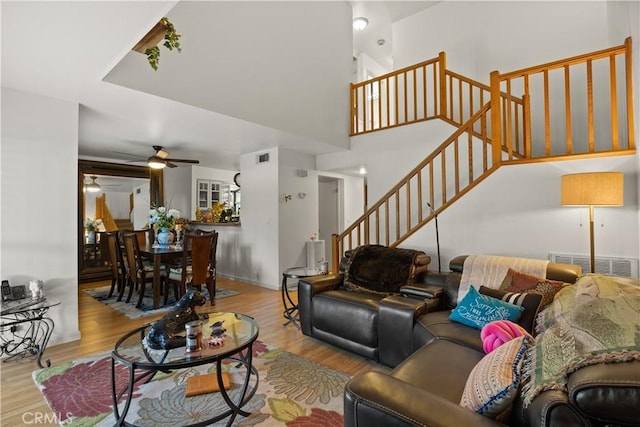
(597, 320)
(490, 271)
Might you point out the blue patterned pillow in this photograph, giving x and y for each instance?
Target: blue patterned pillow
(476, 310)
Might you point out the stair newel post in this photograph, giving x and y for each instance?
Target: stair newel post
(496, 120)
(335, 253)
(442, 80)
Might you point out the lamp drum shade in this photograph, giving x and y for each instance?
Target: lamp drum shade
(593, 189)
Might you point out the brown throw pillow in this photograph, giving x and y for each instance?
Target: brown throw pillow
(515, 281)
(530, 301)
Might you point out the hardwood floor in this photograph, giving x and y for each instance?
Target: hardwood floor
(101, 326)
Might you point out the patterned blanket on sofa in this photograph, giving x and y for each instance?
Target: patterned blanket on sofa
(594, 321)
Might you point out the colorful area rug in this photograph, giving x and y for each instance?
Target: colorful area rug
(292, 391)
(146, 309)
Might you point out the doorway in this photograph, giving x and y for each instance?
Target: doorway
(90, 267)
(329, 211)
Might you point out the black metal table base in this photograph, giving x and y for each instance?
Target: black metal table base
(143, 371)
(290, 307)
(26, 335)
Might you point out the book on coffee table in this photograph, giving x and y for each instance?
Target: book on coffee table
(207, 383)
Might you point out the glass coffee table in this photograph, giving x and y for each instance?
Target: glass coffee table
(143, 363)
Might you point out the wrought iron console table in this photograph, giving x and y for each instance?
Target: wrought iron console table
(24, 329)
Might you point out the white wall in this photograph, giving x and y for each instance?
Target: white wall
(257, 252)
(39, 228)
(479, 36)
(624, 20)
(178, 190)
(516, 211)
(298, 217)
(272, 234)
(141, 206)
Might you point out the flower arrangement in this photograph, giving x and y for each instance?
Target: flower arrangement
(92, 224)
(163, 217)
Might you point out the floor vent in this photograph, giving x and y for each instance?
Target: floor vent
(621, 267)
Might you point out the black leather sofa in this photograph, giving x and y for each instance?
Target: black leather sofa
(425, 388)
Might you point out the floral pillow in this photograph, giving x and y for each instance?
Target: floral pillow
(492, 385)
(515, 281)
(476, 310)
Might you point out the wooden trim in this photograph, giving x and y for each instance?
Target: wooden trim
(152, 38)
(496, 119)
(629, 99)
(590, 120)
(442, 74)
(605, 53)
(614, 102)
(567, 109)
(88, 167)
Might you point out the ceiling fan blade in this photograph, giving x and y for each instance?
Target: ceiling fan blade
(195, 162)
(169, 164)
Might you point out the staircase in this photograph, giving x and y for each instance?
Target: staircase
(529, 115)
(124, 224)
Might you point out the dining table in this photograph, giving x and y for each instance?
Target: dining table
(157, 254)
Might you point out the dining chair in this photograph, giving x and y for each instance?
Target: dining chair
(115, 260)
(139, 273)
(196, 267)
(145, 236)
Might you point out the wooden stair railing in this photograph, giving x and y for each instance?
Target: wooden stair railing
(589, 86)
(103, 213)
(509, 130)
(405, 208)
(421, 92)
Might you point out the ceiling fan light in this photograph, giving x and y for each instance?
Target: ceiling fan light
(360, 23)
(93, 186)
(155, 162)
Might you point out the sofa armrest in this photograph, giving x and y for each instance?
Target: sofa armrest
(422, 290)
(377, 399)
(396, 316)
(307, 289)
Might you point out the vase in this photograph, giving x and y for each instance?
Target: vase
(165, 237)
(91, 237)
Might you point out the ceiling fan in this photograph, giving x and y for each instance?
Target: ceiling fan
(161, 159)
(94, 187)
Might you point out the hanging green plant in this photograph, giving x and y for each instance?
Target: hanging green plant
(171, 42)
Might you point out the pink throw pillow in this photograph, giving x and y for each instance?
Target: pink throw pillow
(496, 333)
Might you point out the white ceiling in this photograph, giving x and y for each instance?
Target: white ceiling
(250, 91)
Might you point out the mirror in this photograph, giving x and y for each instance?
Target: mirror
(128, 191)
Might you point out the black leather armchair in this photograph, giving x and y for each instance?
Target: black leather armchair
(373, 325)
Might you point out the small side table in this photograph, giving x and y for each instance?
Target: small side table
(25, 329)
(290, 307)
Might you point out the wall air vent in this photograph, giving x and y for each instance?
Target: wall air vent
(263, 158)
(609, 266)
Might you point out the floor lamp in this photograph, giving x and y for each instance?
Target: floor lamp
(593, 189)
